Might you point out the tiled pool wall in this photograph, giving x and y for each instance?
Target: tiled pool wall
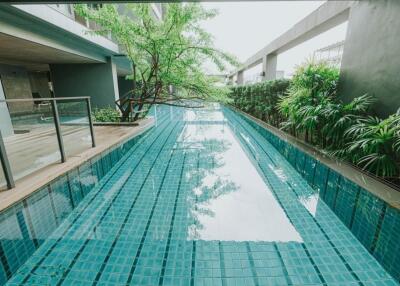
(26, 225)
(375, 223)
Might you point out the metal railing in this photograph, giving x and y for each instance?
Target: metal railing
(55, 116)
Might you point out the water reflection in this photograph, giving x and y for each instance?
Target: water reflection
(213, 218)
(231, 202)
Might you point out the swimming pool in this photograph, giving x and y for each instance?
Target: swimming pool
(202, 199)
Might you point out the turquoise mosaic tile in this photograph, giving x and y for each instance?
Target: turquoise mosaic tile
(152, 216)
(309, 169)
(62, 198)
(26, 225)
(86, 178)
(362, 212)
(16, 244)
(300, 162)
(347, 197)
(333, 183)
(387, 248)
(320, 178)
(39, 206)
(368, 215)
(75, 187)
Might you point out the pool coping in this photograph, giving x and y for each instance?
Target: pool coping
(33, 182)
(115, 124)
(388, 194)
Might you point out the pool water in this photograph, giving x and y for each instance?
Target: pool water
(202, 199)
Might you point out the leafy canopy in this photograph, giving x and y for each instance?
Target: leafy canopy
(166, 52)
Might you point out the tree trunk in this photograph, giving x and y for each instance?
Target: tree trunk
(137, 114)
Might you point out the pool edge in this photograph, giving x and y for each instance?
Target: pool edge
(25, 188)
(371, 219)
(385, 192)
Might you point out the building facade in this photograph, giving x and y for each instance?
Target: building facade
(332, 54)
(48, 51)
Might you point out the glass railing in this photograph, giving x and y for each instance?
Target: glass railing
(39, 132)
(3, 181)
(75, 126)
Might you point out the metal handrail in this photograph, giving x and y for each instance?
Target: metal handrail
(45, 99)
(3, 154)
(5, 163)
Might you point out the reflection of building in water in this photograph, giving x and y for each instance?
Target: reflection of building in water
(331, 54)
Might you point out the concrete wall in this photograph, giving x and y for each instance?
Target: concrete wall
(371, 60)
(16, 85)
(5, 119)
(99, 81)
(40, 83)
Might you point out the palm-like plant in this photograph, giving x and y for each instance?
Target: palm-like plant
(290, 105)
(374, 145)
(338, 117)
(313, 86)
(396, 144)
(309, 108)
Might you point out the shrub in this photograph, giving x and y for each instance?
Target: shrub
(316, 77)
(260, 99)
(308, 107)
(313, 111)
(374, 145)
(107, 114)
(311, 90)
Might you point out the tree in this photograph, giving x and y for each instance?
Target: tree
(167, 52)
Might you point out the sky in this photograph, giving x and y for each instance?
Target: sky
(243, 28)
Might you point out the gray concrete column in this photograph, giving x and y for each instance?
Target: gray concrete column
(269, 66)
(6, 127)
(99, 81)
(239, 78)
(264, 68)
(371, 60)
(14, 83)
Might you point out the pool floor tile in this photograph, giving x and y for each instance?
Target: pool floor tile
(172, 213)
